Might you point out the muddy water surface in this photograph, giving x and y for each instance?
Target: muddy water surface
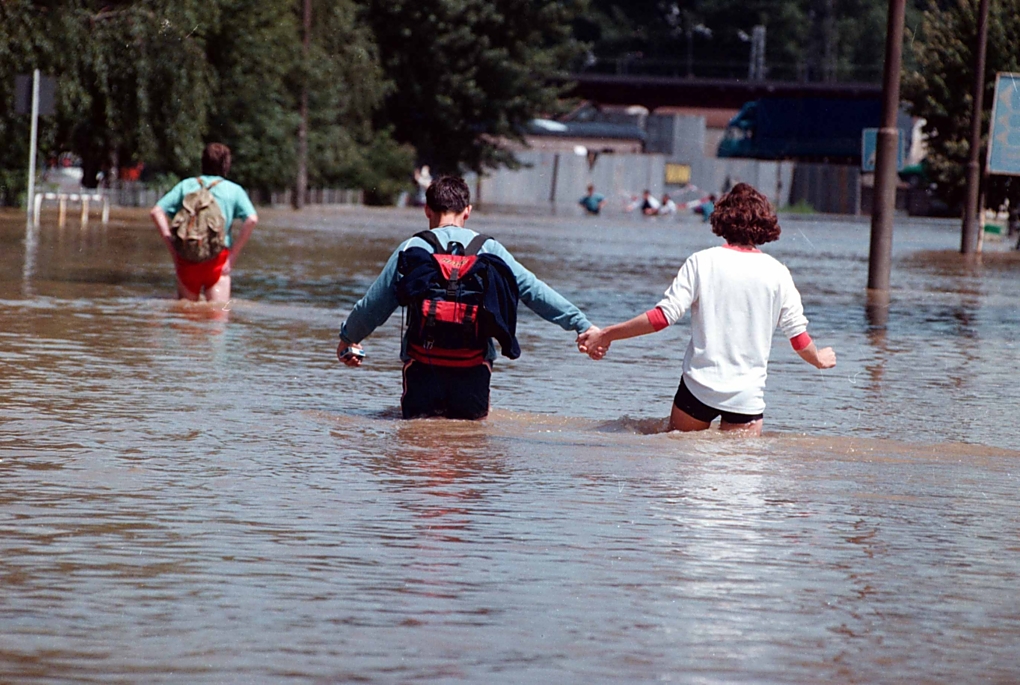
(191, 495)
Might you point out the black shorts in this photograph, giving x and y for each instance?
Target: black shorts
(446, 391)
(695, 408)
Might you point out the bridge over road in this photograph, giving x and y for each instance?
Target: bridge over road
(654, 92)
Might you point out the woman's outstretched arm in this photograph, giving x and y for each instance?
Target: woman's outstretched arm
(596, 344)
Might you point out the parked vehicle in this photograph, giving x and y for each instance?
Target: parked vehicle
(811, 129)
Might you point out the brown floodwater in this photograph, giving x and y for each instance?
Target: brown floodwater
(193, 495)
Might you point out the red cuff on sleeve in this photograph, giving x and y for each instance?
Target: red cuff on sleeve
(657, 318)
(800, 342)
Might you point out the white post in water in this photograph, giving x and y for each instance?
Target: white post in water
(30, 198)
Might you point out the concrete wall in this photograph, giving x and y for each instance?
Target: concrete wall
(773, 179)
(827, 188)
(556, 181)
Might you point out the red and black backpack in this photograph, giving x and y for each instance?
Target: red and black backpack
(450, 298)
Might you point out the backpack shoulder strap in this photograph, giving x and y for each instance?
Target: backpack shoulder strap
(214, 184)
(201, 183)
(430, 238)
(476, 244)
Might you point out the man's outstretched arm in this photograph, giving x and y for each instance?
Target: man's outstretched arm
(540, 297)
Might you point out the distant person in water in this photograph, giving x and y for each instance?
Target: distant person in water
(649, 205)
(737, 296)
(706, 208)
(667, 206)
(211, 275)
(592, 202)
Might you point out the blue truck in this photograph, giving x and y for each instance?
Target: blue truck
(809, 129)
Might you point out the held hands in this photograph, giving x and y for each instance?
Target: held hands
(593, 342)
(351, 355)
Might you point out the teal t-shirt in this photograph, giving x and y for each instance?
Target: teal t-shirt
(232, 199)
(592, 202)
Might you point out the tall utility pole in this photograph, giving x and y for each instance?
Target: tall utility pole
(301, 184)
(884, 205)
(971, 223)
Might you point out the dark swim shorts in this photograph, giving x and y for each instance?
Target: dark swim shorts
(447, 391)
(695, 408)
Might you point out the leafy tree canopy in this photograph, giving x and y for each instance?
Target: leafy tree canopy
(152, 81)
(940, 90)
(811, 40)
(470, 74)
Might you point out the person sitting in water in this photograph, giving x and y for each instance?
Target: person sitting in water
(667, 206)
(592, 202)
(441, 379)
(737, 295)
(649, 205)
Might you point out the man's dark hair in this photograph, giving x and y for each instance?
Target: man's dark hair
(216, 160)
(744, 216)
(448, 194)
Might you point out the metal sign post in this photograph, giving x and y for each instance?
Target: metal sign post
(30, 200)
(33, 95)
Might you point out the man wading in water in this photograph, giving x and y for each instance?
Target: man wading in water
(198, 237)
(461, 290)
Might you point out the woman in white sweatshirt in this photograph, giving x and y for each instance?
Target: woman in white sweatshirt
(737, 296)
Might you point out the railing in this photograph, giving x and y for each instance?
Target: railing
(736, 70)
(138, 195)
(84, 199)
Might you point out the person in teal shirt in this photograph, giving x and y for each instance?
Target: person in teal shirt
(592, 202)
(211, 276)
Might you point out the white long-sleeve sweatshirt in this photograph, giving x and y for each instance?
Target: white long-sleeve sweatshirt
(737, 297)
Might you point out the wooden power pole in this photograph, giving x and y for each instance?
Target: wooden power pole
(971, 220)
(884, 204)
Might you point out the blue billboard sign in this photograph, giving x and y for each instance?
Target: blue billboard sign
(1004, 134)
(869, 150)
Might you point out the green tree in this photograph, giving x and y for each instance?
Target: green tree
(347, 85)
(470, 74)
(136, 86)
(30, 38)
(254, 53)
(940, 90)
(810, 40)
(154, 81)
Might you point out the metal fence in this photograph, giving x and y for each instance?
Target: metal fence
(140, 195)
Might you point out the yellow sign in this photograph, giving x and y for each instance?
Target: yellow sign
(678, 174)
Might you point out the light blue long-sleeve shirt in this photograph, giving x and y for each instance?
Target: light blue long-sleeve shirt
(372, 310)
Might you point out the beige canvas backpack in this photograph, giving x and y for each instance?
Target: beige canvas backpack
(198, 230)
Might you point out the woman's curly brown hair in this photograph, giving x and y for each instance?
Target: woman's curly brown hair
(744, 216)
